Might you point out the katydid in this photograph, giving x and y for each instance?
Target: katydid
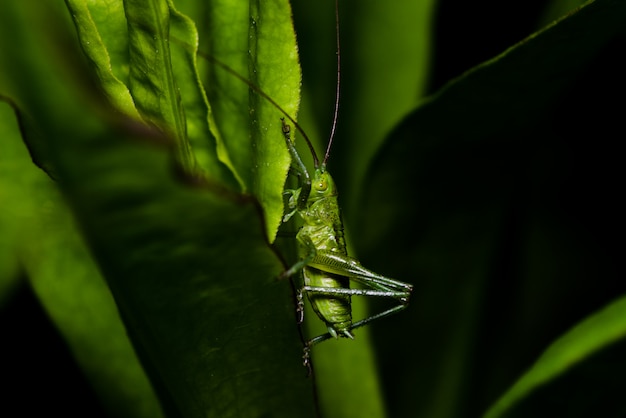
(324, 262)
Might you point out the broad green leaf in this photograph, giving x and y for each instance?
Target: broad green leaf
(102, 28)
(196, 283)
(582, 356)
(256, 40)
(528, 78)
(75, 296)
(152, 81)
(209, 152)
(495, 199)
(394, 70)
(37, 228)
(111, 17)
(247, 134)
(187, 260)
(103, 34)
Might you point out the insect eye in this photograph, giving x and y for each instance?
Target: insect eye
(321, 185)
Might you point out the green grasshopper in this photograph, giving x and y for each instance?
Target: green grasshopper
(326, 267)
(324, 262)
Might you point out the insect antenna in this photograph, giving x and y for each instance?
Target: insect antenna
(336, 113)
(258, 90)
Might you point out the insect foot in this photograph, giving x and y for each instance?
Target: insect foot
(306, 360)
(300, 306)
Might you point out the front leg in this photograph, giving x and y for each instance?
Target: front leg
(311, 251)
(292, 202)
(299, 168)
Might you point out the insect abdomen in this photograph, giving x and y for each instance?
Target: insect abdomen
(334, 310)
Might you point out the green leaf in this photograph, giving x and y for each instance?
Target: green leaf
(187, 259)
(172, 96)
(76, 297)
(103, 35)
(152, 80)
(195, 281)
(579, 358)
(37, 228)
(257, 42)
(113, 23)
(496, 198)
(102, 30)
(209, 152)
